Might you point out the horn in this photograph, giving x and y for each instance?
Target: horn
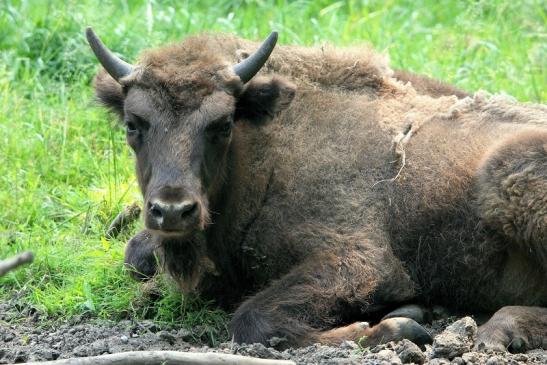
(247, 68)
(116, 67)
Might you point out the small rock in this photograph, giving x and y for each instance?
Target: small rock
(275, 341)
(388, 356)
(8, 336)
(124, 339)
(167, 337)
(456, 339)
(458, 361)
(185, 334)
(520, 357)
(409, 352)
(439, 361)
(496, 360)
(349, 345)
(470, 357)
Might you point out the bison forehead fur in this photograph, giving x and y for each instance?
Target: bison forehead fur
(345, 187)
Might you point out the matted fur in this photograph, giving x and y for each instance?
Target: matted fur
(347, 188)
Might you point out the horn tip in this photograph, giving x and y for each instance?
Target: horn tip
(90, 35)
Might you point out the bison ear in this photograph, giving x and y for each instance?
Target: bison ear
(263, 98)
(109, 92)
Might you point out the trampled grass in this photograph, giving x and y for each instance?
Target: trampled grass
(65, 171)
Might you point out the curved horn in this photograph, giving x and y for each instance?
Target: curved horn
(112, 64)
(247, 68)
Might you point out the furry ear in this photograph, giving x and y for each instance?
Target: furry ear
(263, 98)
(109, 92)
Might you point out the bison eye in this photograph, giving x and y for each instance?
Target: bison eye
(131, 128)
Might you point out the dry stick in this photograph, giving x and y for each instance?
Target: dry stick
(122, 220)
(14, 262)
(399, 143)
(165, 357)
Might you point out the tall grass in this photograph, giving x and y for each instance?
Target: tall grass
(65, 171)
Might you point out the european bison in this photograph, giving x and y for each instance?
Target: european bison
(327, 189)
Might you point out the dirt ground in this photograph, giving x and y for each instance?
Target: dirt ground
(26, 337)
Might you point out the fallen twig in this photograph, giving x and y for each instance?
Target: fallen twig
(398, 146)
(166, 357)
(14, 262)
(122, 220)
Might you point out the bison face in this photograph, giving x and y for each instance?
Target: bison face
(179, 110)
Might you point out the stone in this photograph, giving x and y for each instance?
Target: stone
(167, 337)
(389, 356)
(496, 360)
(409, 352)
(456, 339)
(439, 361)
(349, 345)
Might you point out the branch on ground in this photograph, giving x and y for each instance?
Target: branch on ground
(14, 262)
(165, 357)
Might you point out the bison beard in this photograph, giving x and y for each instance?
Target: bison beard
(338, 189)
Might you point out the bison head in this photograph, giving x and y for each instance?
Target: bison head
(179, 105)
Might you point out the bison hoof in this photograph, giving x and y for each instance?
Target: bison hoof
(514, 329)
(412, 311)
(140, 261)
(397, 329)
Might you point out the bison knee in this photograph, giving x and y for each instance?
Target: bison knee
(139, 257)
(253, 323)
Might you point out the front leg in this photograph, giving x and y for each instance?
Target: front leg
(320, 294)
(140, 259)
(514, 328)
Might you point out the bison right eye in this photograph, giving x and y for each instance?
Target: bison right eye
(131, 128)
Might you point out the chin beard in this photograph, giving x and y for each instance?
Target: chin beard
(186, 261)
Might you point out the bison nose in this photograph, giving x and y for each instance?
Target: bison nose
(171, 216)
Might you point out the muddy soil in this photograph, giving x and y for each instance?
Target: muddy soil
(26, 337)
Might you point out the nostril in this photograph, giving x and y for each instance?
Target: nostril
(188, 209)
(155, 211)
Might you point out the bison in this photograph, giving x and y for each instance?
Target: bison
(309, 189)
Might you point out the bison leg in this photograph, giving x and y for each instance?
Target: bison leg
(390, 329)
(140, 259)
(419, 313)
(415, 312)
(514, 328)
(512, 193)
(318, 295)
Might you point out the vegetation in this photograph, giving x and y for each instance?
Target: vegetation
(65, 171)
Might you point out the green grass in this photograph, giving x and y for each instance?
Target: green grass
(65, 171)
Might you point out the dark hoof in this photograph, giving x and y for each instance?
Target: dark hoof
(397, 329)
(140, 260)
(412, 311)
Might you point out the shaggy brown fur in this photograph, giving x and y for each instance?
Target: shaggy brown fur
(330, 189)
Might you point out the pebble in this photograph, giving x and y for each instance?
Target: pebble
(388, 356)
(496, 360)
(409, 352)
(349, 345)
(124, 339)
(166, 336)
(439, 361)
